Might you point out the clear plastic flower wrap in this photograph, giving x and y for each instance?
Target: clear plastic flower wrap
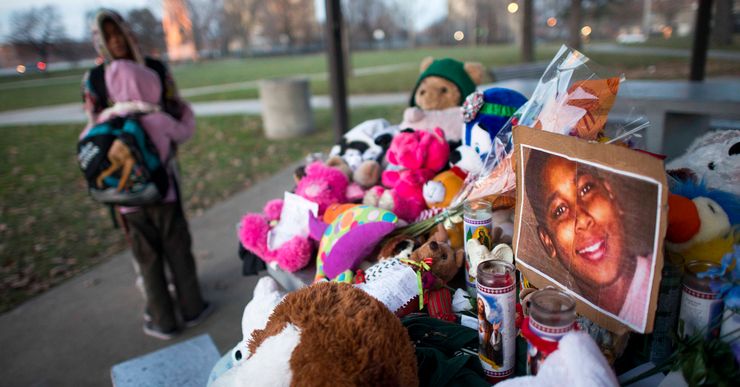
(571, 98)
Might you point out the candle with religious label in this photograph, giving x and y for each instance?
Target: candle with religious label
(477, 217)
(496, 314)
(552, 314)
(701, 307)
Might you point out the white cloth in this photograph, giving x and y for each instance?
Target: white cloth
(635, 304)
(128, 107)
(576, 363)
(392, 283)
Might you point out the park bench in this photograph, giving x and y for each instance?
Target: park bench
(678, 111)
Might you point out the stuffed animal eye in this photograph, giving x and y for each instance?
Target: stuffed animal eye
(237, 355)
(711, 208)
(734, 149)
(433, 245)
(422, 92)
(711, 165)
(443, 90)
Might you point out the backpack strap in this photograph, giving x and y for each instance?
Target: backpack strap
(97, 84)
(161, 70)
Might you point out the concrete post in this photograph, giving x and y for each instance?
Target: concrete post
(286, 108)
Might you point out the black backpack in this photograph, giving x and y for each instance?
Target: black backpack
(146, 183)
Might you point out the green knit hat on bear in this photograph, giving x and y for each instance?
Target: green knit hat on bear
(451, 70)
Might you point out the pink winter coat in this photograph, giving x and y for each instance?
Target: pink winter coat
(136, 88)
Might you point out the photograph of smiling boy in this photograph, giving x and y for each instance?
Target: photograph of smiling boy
(590, 230)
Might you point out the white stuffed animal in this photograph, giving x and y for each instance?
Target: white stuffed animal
(713, 158)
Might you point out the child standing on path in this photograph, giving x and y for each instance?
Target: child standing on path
(158, 233)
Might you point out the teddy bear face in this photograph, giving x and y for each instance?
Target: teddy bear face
(445, 263)
(323, 185)
(437, 93)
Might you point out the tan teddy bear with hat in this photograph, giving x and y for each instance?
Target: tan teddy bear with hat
(439, 91)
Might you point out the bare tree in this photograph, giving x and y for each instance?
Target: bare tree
(574, 24)
(243, 17)
(366, 16)
(148, 30)
(206, 16)
(40, 28)
(406, 12)
(527, 48)
(669, 9)
(723, 23)
(290, 22)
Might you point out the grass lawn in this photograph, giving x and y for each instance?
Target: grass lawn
(685, 42)
(50, 229)
(64, 87)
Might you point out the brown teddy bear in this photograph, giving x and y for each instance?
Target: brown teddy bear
(445, 263)
(445, 83)
(438, 94)
(344, 336)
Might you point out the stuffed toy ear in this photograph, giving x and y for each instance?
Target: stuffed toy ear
(440, 234)
(459, 257)
(476, 71)
(425, 63)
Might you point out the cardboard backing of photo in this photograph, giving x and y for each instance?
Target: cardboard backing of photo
(610, 156)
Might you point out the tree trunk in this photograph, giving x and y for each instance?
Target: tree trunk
(527, 31)
(576, 19)
(723, 20)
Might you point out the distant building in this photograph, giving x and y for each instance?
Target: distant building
(178, 30)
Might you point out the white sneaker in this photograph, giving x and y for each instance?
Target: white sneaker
(151, 330)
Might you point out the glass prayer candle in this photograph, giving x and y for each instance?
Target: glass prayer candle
(477, 218)
(552, 314)
(496, 319)
(701, 307)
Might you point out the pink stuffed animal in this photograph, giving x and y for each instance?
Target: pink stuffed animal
(406, 197)
(419, 149)
(322, 185)
(291, 256)
(420, 154)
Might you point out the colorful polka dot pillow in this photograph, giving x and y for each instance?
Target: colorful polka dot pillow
(347, 240)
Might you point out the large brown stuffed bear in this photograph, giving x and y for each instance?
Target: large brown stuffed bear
(346, 337)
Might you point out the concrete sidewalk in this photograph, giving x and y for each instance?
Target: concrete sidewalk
(72, 112)
(73, 334)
